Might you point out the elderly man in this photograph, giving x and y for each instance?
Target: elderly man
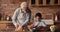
(21, 17)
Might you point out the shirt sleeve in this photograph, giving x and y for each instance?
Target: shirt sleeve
(14, 17)
(43, 24)
(27, 20)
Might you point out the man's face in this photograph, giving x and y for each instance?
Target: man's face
(24, 8)
(37, 18)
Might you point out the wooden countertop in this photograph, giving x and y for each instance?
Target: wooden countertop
(5, 22)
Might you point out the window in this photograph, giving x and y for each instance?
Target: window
(40, 1)
(32, 1)
(20, 0)
(12, 1)
(55, 1)
(0, 16)
(47, 1)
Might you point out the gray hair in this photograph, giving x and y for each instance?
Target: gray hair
(24, 4)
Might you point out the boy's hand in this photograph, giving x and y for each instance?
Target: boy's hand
(30, 26)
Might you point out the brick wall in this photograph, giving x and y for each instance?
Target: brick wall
(47, 12)
(7, 7)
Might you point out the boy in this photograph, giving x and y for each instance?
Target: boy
(37, 24)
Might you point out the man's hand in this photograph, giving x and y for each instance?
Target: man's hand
(16, 25)
(18, 29)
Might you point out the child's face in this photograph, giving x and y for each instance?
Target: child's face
(37, 18)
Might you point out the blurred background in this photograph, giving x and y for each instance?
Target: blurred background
(50, 10)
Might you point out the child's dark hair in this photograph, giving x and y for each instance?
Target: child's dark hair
(39, 15)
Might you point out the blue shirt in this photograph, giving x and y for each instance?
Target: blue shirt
(20, 18)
